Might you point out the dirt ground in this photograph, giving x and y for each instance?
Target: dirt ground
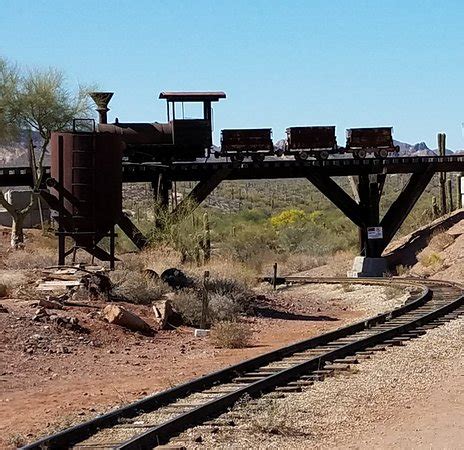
(52, 376)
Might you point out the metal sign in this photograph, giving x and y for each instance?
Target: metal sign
(374, 233)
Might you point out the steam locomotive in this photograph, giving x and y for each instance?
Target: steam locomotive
(188, 139)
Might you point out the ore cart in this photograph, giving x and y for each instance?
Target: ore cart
(255, 143)
(363, 141)
(318, 142)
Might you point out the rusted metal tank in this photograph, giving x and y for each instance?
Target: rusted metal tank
(361, 141)
(254, 142)
(88, 170)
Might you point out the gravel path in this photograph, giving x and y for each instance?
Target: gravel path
(406, 397)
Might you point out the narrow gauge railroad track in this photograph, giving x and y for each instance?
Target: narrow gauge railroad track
(155, 419)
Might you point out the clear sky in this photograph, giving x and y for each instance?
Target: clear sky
(347, 63)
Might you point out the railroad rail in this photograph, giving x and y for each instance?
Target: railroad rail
(157, 418)
(272, 169)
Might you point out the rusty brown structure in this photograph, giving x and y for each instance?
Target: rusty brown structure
(85, 191)
(253, 142)
(318, 142)
(362, 141)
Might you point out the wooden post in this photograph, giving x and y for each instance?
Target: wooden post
(274, 277)
(206, 238)
(441, 149)
(204, 303)
(458, 192)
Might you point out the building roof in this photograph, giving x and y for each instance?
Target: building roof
(192, 96)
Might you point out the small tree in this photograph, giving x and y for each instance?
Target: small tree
(36, 100)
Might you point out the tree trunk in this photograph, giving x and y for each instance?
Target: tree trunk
(17, 232)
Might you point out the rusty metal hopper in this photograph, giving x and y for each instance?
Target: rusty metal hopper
(102, 100)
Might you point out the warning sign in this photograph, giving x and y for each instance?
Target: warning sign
(374, 233)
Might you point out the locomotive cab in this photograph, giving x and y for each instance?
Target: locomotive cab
(192, 137)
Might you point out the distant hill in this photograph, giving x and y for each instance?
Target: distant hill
(419, 149)
(16, 153)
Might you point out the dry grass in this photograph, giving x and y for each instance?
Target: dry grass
(402, 270)
(30, 259)
(231, 335)
(12, 280)
(440, 241)
(298, 262)
(275, 419)
(430, 259)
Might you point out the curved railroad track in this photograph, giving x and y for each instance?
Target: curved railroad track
(155, 419)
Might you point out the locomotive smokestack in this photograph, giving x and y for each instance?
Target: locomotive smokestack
(102, 99)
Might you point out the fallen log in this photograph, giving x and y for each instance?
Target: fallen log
(119, 315)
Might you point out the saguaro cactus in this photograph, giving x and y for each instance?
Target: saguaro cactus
(206, 238)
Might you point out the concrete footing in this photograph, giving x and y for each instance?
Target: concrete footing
(368, 267)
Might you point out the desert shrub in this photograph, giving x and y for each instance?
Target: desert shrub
(252, 245)
(227, 300)
(273, 418)
(402, 270)
(317, 240)
(231, 335)
(430, 259)
(134, 287)
(440, 241)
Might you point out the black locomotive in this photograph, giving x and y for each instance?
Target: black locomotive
(188, 139)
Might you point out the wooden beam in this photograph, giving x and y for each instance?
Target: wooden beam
(199, 193)
(338, 197)
(132, 232)
(402, 206)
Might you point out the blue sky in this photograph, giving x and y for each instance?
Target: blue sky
(281, 63)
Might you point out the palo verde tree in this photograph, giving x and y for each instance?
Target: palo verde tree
(35, 101)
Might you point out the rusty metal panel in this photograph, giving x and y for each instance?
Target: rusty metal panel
(192, 96)
(311, 138)
(246, 139)
(369, 137)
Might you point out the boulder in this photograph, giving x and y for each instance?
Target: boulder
(119, 315)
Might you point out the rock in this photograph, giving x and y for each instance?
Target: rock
(176, 279)
(119, 315)
(162, 310)
(3, 309)
(198, 438)
(50, 302)
(3, 290)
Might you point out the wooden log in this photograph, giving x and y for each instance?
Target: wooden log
(119, 315)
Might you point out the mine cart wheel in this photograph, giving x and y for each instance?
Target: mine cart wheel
(237, 157)
(323, 155)
(257, 157)
(303, 156)
(361, 154)
(383, 153)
